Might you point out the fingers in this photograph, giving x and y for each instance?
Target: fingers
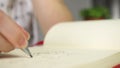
(13, 34)
(16, 35)
(5, 46)
(27, 36)
(25, 32)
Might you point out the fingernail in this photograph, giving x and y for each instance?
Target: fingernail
(23, 42)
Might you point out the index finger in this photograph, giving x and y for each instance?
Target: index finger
(10, 30)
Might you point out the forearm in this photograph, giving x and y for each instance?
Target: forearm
(51, 12)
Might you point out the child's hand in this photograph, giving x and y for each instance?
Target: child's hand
(11, 35)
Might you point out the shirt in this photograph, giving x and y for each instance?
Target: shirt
(22, 12)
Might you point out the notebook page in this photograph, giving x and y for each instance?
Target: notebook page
(104, 34)
(108, 62)
(52, 58)
(74, 36)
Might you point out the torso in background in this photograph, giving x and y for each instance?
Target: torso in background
(22, 12)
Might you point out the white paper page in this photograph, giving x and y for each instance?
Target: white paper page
(90, 41)
(53, 58)
(108, 62)
(104, 34)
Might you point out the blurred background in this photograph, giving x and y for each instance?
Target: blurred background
(91, 10)
(81, 10)
(94, 9)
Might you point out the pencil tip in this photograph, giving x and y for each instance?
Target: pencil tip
(31, 56)
(27, 51)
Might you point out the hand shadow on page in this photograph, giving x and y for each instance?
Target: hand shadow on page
(7, 56)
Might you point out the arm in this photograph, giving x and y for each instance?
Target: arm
(51, 12)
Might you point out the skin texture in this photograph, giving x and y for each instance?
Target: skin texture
(48, 13)
(11, 35)
(51, 12)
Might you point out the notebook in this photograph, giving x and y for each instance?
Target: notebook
(81, 44)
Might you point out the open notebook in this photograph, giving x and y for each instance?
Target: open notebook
(85, 44)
